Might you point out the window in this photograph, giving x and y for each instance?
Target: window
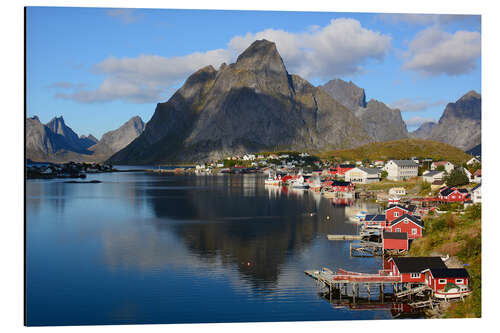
(459, 281)
(442, 281)
(398, 229)
(414, 231)
(396, 214)
(406, 221)
(415, 275)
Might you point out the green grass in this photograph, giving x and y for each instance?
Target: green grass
(458, 235)
(400, 149)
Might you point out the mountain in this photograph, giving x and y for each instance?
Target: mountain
(253, 104)
(378, 120)
(88, 141)
(347, 93)
(401, 149)
(57, 142)
(475, 151)
(460, 123)
(52, 142)
(424, 131)
(113, 141)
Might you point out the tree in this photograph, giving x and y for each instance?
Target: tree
(457, 177)
(383, 174)
(440, 168)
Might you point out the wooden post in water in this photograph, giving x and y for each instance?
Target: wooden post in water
(368, 290)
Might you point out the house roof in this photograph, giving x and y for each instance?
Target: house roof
(447, 191)
(438, 182)
(463, 190)
(394, 235)
(343, 166)
(375, 218)
(409, 217)
(418, 264)
(449, 272)
(371, 171)
(477, 173)
(396, 205)
(476, 187)
(432, 173)
(405, 163)
(340, 183)
(441, 163)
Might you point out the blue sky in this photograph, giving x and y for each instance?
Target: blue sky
(99, 67)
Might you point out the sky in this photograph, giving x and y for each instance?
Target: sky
(99, 67)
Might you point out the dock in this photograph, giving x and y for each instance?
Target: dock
(365, 249)
(352, 284)
(344, 237)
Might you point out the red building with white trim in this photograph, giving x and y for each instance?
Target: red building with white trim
(437, 279)
(396, 211)
(410, 268)
(411, 225)
(452, 194)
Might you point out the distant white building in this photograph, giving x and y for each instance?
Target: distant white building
(431, 176)
(397, 191)
(448, 167)
(248, 157)
(476, 194)
(362, 175)
(401, 169)
(473, 160)
(304, 154)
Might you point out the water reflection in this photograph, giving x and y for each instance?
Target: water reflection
(155, 242)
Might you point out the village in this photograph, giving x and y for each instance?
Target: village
(409, 191)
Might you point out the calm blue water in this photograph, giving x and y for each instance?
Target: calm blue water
(146, 248)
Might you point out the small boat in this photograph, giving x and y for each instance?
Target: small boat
(300, 184)
(452, 293)
(358, 217)
(272, 180)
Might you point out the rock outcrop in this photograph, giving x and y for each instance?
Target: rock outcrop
(378, 120)
(460, 123)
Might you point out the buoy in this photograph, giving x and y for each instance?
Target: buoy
(248, 264)
(328, 217)
(311, 214)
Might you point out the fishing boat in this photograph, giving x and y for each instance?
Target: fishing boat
(273, 179)
(358, 217)
(300, 184)
(453, 293)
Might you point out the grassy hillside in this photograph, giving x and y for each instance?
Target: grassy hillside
(400, 149)
(458, 235)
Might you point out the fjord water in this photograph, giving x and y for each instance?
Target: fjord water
(151, 248)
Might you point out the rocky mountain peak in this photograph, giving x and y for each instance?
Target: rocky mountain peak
(347, 93)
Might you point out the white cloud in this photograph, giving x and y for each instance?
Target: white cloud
(339, 48)
(417, 121)
(435, 52)
(430, 19)
(412, 105)
(125, 15)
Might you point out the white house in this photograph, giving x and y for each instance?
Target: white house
(431, 176)
(447, 166)
(476, 194)
(473, 160)
(397, 191)
(362, 175)
(248, 157)
(379, 163)
(477, 176)
(401, 169)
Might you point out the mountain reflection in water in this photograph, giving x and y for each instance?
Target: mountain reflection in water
(147, 248)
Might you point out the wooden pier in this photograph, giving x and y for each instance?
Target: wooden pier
(344, 237)
(365, 249)
(354, 285)
(412, 291)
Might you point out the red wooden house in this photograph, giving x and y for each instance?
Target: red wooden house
(410, 268)
(438, 278)
(394, 241)
(340, 169)
(395, 211)
(452, 194)
(338, 186)
(408, 224)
